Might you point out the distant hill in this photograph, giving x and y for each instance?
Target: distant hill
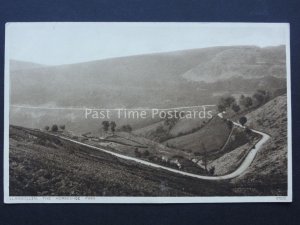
(22, 65)
(159, 80)
(117, 82)
(130, 81)
(246, 62)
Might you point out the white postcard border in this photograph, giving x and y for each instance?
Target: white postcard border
(143, 200)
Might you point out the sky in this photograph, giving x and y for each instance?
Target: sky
(67, 43)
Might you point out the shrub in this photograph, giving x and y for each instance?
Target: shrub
(105, 125)
(137, 153)
(229, 124)
(54, 128)
(197, 153)
(248, 131)
(113, 126)
(261, 96)
(247, 102)
(243, 120)
(225, 102)
(236, 108)
(126, 128)
(211, 171)
(146, 153)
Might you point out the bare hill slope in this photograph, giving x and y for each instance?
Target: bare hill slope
(43, 165)
(270, 167)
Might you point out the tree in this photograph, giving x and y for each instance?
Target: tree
(212, 170)
(146, 153)
(62, 127)
(129, 128)
(229, 124)
(225, 102)
(246, 101)
(221, 108)
(242, 97)
(113, 126)
(204, 156)
(235, 107)
(243, 120)
(248, 131)
(126, 128)
(47, 128)
(261, 96)
(137, 153)
(54, 128)
(105, 125)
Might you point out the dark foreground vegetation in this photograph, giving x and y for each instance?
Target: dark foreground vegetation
(44, 165)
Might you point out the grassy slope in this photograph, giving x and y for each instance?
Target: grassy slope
(231, 160)
(269, 170)
(213, 136)
(45, 165)
(132, 141)
(182, 126)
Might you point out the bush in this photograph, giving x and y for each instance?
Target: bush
(247, 102)
(54, 128)
(113, 126)
(146, 153)
(225, 102)
(197, 154)
(211, 171)
(229, 124)
(248, 131)
(261, 96)
(243, 120)
(137, 153)
(126, 128)
(236, 108)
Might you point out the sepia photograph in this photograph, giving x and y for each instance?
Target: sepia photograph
(123, 112)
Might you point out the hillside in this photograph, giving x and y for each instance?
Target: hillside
(213, 136)
(43, 165)
(124, 80)
(22, 65)
(248, 62)
(150, 81)
(160, 131)
(269, 169)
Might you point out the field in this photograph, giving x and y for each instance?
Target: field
(213, 136)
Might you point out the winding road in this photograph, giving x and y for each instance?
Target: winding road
(241, 169)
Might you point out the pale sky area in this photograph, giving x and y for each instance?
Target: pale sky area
(65, 43)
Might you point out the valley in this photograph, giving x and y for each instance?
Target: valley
(136, 126)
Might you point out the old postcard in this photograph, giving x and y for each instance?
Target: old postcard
(147, 113)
